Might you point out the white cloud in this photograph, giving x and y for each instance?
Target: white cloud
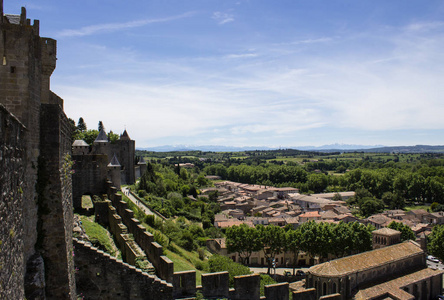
(424, 26)
(275, 91)
(111, 27)
(222, 18)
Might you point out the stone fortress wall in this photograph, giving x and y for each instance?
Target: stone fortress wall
(101, 276)
(37, 216)
(12, 176)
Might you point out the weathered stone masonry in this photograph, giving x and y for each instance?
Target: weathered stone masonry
(36, 212)
(12, 175)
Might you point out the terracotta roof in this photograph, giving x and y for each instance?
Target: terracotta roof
(341, 209)
(310, 214)
(393, 287)
(366, 260)
(379, 219)
(418, 212)
(229, 223)
(387, 231)
(230, 203)
(343, 216)
(329, 215)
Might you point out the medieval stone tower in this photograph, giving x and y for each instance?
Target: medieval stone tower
(35, 181)
(103, 161)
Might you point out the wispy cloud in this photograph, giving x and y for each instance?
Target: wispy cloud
(222, 18)
(278, 95)
(243, 55)
(111, 27)
(424, 26)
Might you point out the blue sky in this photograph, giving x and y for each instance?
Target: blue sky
(250, 73)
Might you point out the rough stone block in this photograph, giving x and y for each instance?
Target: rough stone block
(276, 291)
(215, 285)
(247, 287)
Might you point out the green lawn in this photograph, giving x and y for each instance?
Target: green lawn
(182, 264)
(411, 207)
(98, 235)
(87, 202)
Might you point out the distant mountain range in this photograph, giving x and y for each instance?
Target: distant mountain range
(325, 148)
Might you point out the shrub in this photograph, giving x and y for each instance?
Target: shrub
(201, 253)
(218, 263)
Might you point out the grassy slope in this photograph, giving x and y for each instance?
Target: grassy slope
(98, 235)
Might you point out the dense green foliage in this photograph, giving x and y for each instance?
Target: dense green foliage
(243, 240)
(166, 188)
(218, 263)
(435, 244)
(318, 239)
(406, 232)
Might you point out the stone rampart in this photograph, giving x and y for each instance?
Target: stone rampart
(55, 202)
(154, 252)
(12, 176)
(184, 284)
(214, 285)
(110, 278)
(89, 176)
(20, 93)
(277, 291)
(307, 294)
(247, 287)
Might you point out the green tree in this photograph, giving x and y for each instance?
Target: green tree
(272, 239)
(436, 242)
(393, 200)
(113, 137)
(81, 125)
(317, 182)
(370, 206)
(406, 232)
(244, 240)
(293, 244)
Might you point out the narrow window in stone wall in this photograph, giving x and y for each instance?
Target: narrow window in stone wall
(324, 288)
(12, 70)
(334, 288)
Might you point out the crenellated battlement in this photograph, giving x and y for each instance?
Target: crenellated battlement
(116, 214)
(111, 278)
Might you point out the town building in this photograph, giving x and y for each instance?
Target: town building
(393, 272)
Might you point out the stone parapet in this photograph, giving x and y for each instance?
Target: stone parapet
(111, 278)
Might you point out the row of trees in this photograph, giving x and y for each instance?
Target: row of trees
(318, 239)
(423, 183)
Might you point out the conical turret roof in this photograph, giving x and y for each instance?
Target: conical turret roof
(141, 161)
(80, 143)
(102, 137)
(124, 136)
(114, 162)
